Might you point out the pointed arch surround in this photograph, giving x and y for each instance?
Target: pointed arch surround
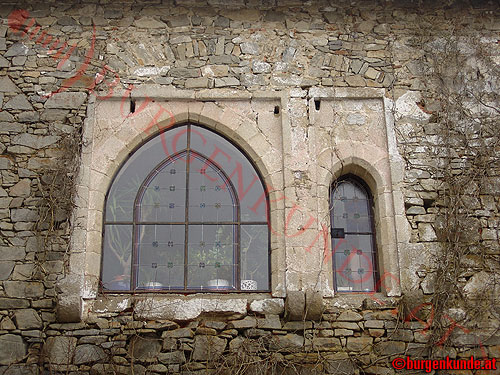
(179, 218)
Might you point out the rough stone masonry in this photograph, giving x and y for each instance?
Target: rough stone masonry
(322, 88)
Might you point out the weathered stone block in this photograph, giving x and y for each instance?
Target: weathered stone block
(350, 316)
(66, 100)
(250, 48)
(326, 344)
(5, 163)
(12, 349)
(6, 268)
(340, 366)
(60, 349)
(215, 325)
(24, 289)
(13, 303)
(268, 306)
(208, 347)
(390, 347)
(6, 85)
(145, 348)
(21, 189)
(87, 353)
(289, 342)
(343, 332)
(27, 319)
(401, 335)
(19, 102)
(247, 322)
(199, 82)
(359, 344)
(254, 333)
(295, 305)
(298, 326)
(34, 141)
(346, 325)
(314, 305)
(269, 322)
(172, 357)
(149, 23)
(178, 333)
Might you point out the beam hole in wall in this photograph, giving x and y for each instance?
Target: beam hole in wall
(277, 110)
(317, 104)
(132, 106)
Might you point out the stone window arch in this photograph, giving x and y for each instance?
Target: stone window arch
(177, 218)
(353, 236)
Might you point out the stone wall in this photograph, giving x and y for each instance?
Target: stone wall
(360, 88)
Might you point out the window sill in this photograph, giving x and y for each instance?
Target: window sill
(368, 301)
(182, 307)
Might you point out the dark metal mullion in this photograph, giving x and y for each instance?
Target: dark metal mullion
(186, 209)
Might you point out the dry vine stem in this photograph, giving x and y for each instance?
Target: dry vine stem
(462, 142)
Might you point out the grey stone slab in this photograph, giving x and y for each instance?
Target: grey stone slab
(24, 289)
(12, 253)
(250, 48)
(5, 163)
(60, 349)
(18, 49)
(23, 214)
(19, 102)
(13, 303)
(289, 342)
(34, 141)
(208, 347)
(6, 268)
(145, 348)
(87, 353)
(27, 319)
(12, 349)
(6, 85)
(66, 100)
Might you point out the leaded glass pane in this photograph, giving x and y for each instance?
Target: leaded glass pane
(354, 272)
(351, 208)
(117, 255)
(164, 196)
(160, 254)
(121, 196)
(223, 187)
(211, 261)
(240, 171)
(254, 257)
(210, 197)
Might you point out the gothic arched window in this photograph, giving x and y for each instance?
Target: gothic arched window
(180, 216)
(353, 236)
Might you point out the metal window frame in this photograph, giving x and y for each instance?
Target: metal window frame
(186, 222)
(374, 255)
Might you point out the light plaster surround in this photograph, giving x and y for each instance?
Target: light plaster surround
(353, 133)
(112, 133)
(298, 151)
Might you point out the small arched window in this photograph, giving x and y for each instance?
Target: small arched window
(180, 217)
(353, 236)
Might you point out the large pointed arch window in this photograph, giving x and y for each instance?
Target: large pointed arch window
(353, 236)
(181, 216)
